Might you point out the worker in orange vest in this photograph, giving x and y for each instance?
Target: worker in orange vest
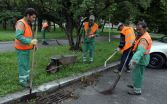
(90, 32)
(140, 58)
(23, 44)
(44, 28)
(127, 38)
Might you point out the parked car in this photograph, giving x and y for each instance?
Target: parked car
(158, 54)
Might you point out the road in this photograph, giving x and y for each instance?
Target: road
(154, 90)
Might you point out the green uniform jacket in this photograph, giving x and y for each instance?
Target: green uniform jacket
(140, 58)
(20, 37)
(86, 39)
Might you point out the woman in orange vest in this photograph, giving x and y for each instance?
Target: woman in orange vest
(23, 44)
(44, 27)
(140, 58)
(127, 38)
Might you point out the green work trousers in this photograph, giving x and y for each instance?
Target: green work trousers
(43, 34)
(23, 59)
(137, 77)
(88, 47)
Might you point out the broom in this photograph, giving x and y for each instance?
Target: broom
(112, 87)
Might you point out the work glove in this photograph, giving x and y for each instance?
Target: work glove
(91, 36)
(132, 64)
(34, 42)
(117, 49)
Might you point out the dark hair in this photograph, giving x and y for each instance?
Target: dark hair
(143, 24)
(30, 11)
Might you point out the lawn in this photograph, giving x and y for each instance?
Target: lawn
(112, 31)
(9, 35)
(9, 72)
(156, 36)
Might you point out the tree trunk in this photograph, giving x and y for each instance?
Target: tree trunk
(103, 25)
(39, 24)
(69, 31)
(54, 26)
(4, 24)
(78, 40)
(79, 36)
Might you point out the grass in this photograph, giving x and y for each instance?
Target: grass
(156, 36)
(112, 31)
(9, 35)
(9, 71)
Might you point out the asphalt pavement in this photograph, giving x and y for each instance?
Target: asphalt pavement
(154, 90)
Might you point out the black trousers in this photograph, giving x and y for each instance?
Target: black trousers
(123, 59)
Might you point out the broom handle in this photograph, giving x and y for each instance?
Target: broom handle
(33, 57)
(127, 58)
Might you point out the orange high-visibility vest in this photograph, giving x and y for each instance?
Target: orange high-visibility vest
(129, 34)
(27, 34)
(44, 25)
(147, 37)
(93, 28)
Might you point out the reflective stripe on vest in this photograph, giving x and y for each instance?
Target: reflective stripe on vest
(27, 34)
(93, 28)
(147, 37)
(129, 37)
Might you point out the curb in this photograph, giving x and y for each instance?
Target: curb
(11, 98)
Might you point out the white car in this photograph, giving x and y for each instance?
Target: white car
(158, 54)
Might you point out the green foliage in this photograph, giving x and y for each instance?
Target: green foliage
(9, 15)
(69, 12)
(126, 12)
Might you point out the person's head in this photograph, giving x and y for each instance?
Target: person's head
(91, 19)
(45, 21)
(30, 14)
(141, 27)
(120, 26)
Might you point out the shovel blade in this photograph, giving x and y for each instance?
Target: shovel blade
(106, 92)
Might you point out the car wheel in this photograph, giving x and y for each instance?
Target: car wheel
(156, 61)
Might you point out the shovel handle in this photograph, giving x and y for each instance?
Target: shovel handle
(33, 58)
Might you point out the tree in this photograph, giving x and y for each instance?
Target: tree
(69, 12)
(8, 13)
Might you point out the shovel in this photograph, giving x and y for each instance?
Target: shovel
(33, 59)
(112, 87)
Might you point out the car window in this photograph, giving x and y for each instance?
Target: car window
(164, 39)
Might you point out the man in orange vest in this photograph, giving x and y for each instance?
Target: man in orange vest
(127, 38)
(23, 44)
(90, 32)
(44, 27)
(140, 58)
